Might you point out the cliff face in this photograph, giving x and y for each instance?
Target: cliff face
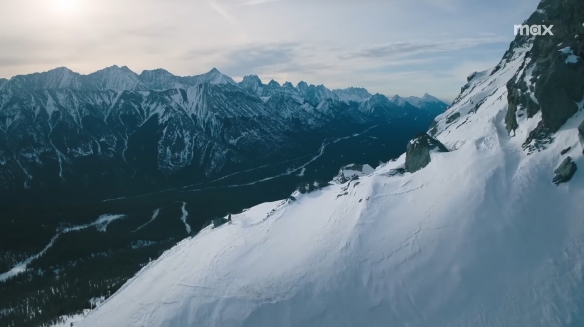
(552, 79)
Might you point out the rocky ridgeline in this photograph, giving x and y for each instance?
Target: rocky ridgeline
(552, 79)
(115, 129)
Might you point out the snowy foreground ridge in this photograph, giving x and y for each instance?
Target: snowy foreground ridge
(480, 237)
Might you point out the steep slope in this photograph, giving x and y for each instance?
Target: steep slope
(479, 237)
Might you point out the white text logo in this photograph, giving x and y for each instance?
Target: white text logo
(533, 30)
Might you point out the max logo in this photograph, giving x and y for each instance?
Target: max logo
(533, 30)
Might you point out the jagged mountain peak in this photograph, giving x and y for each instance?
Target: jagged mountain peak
(115, 69)
(302, 86)
(427, 103)
(352, 94)
(158, 72)
(252, 78)
(253, 84)
(61, 70)
(214, 76)
(116, 78)
(273, 83)
(378, 97)
(430, 98)
(57, 78)
(379, 104)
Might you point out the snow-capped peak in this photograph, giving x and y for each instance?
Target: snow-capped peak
(214, 76)
(429, 98)
(273, 83)
(116, 78)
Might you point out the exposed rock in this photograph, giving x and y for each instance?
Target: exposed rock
(565, 171)
(581, 129)
(558, 93)
(418, 152)
(452, 118)
(556, 70)
(433, 128)
(351, 172)
(538, 139)
(219, 222)
(305, 187)
(565, 151)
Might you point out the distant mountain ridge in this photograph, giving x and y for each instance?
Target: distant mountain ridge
(124, 79)
(60, 127)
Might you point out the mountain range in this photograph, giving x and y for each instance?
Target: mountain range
(120, 131)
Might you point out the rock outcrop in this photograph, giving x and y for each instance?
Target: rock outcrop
(565, 171)
(418, 152)
(553, 76)
(351, 172)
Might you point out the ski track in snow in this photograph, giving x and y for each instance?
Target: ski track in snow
(154, 215)
(101, 224)
(287, 173)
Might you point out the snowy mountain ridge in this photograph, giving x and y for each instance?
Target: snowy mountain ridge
(60, 128)
(479, 237)
(111, 78)
(123, 79)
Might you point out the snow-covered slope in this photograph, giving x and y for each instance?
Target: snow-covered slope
(487, 241)
(480, 237)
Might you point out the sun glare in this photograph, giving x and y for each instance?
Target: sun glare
(66, 6)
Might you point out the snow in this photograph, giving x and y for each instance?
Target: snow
(184, 216)
(68, 321)
(100, 224)
(154, 215)
(351, 171)
(571, 58)
(103, 221)
(480, 237)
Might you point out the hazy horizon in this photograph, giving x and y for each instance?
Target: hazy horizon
(402, 47)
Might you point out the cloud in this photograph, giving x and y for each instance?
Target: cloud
(224, 12)
(251, 59)
(339, 43)
(218, 8)
(258, 2)
(401, 49)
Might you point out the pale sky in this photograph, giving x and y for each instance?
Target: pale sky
(405, 47)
